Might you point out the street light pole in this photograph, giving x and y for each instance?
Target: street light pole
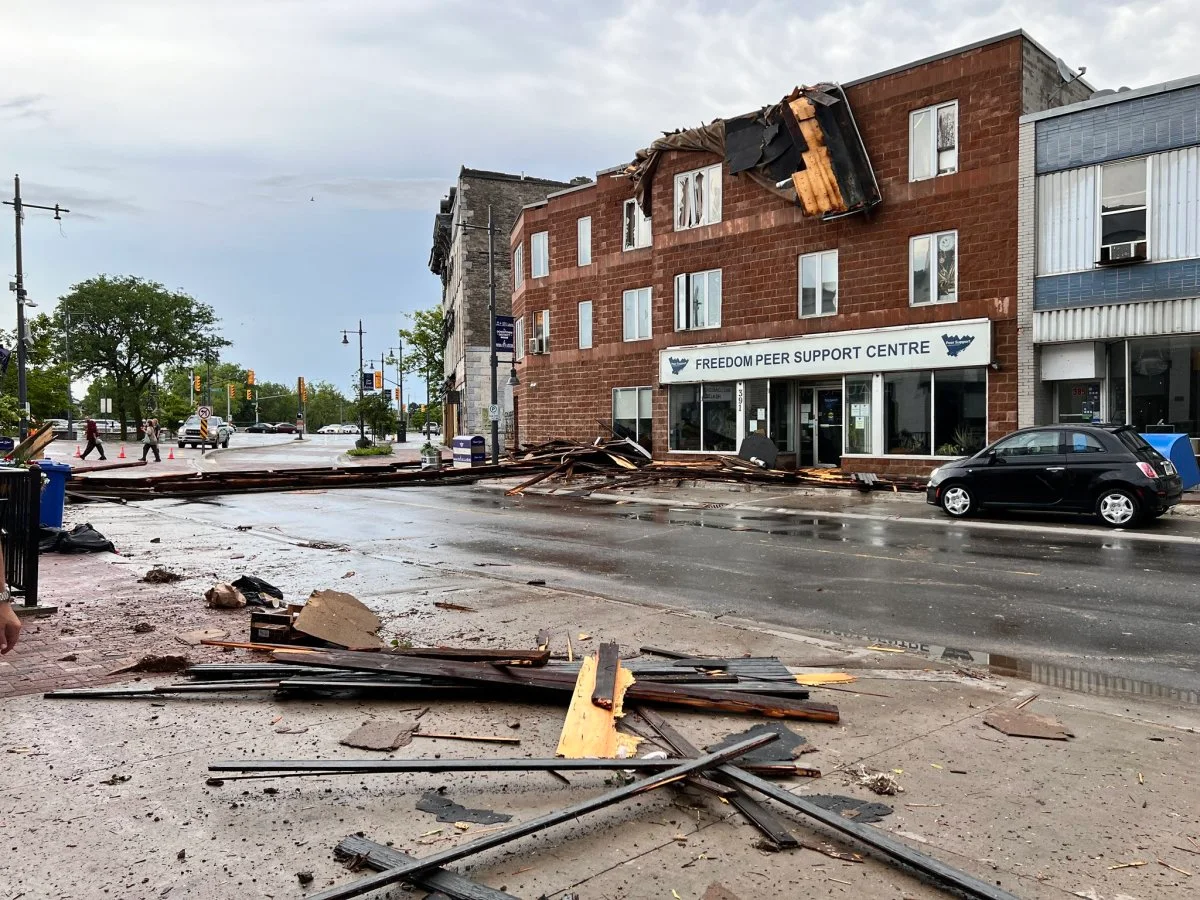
(397, 355)
(362, 431)
(493, 411)
(19, 207)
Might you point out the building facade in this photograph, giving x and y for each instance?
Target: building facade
(459, 257)
(1110, 282)
(879, 339)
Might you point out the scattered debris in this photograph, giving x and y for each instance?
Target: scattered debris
(479, 738)
(864, 811)
(322, 545)
(1018, 723)
(359, 852)
(304, 877)
(380, 735)
(258, 592)
(536, 581)
(448, 811)
(224, 596)
(817, 679)
(157, 664)
(116, 779)
(882, 783)
(1129, 865)
(143, 628)
(195, 638)
(80, 539)
(1163, 862)
(70, 657)
(788, 746)
(160, 576)
(339, 619)
(832, 852)
(455, 607)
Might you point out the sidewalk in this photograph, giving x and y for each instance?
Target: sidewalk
(1043, 818)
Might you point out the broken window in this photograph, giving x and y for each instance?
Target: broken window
(636, 311)
(698, 300)
(539, 255)
(1123, 211)
(698, 198)
(933, 268)
(636, 227)
(933, 141)
(519, 266)
(818, 284)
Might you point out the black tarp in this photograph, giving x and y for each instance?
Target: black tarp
(80, 539)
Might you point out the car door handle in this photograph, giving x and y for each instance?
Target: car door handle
(1056, 468)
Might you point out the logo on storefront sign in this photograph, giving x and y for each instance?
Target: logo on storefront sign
(677, 364)
(956, 344)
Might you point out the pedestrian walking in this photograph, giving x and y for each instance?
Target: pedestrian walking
(92, 433)
(150, 439)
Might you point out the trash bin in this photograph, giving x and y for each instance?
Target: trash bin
(54, 494)
(1178, 449)
(431, 458)
(470, 450)
(401, 432)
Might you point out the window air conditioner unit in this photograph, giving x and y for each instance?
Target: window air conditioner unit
(536, 346)
(1115, 254)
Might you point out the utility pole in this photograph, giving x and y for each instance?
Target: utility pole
(397, 354)
(362, 430)
(22, 298)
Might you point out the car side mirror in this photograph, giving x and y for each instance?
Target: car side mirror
(991, 457)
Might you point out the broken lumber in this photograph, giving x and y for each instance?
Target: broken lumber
(360, 851)
(590, 730)
(608, 667)
(498, 838)
(321, 767)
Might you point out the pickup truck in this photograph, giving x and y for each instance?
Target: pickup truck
(218, 432)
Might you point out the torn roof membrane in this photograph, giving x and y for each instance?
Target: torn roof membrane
(807, 148)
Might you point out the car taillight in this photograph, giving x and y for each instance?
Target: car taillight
(1147, 470)
(1168, 467)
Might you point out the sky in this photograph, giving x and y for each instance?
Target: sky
(282, 160)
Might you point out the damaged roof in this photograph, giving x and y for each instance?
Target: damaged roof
(806, 148)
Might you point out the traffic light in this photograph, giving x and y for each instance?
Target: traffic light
(249, 394)
(196, 383)
(396, 393)
(250, 376)
(302, 390)
(378, 381)
(232, 388)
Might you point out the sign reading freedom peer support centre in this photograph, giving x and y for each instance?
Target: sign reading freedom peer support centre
(945, 345)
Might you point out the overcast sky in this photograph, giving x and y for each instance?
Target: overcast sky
(282, 160)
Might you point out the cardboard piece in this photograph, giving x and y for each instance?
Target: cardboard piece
(378, 735)
(339, 619)
(1018, 723)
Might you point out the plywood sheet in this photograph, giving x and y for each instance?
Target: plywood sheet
(340, 619)
(1018, 723)
(590, 731)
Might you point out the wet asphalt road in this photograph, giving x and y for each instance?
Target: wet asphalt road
(1058, 599)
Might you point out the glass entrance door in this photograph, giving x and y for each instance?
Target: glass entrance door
(821, 431)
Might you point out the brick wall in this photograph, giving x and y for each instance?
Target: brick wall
(758, 241)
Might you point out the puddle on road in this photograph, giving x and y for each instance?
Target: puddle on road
(1067, 678)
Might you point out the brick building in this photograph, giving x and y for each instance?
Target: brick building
(460, 258)
(1109, 294)
(880, 338)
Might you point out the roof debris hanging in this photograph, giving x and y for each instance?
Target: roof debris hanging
(809, 139)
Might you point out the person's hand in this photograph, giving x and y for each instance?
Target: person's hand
(10, 627)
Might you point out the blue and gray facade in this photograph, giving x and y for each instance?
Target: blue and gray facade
(1109, 260)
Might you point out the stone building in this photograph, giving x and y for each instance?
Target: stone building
(861, 312)
(460, 258)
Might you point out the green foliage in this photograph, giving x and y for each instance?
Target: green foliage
(10, 413)
(326, 405)
(424, 345)
(127, 328)
(45, 369)
(377, 450)
(377, 412)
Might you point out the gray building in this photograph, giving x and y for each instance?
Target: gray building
(460, 258)
(1109, 260)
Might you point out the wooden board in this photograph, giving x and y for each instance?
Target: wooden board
(590, 731)
(1018, 723)
(607, 667)
(340, 619)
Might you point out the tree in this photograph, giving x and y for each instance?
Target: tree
(326, 405)
(128, 328)
(45, 370)
(378, 413)
(425, 347)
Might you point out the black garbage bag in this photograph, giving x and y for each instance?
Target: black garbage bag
(80, 539)
(258, 592)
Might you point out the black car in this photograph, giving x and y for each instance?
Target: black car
(1107, 470)
(260, 428)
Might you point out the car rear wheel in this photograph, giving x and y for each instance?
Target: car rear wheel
(1118, 508)
(957, 501)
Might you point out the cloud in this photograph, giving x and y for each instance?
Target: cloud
(25, 106)
(416, 194)
(83, 203)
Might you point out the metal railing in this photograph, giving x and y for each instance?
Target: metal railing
(20, 518)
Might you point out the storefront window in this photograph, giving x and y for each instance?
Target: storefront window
(1116, 383)
(783, 421)
(1164, 385)
(756, 408)
(959, 411)
(703, 418)
(907, 412)
(1078, 401)
(858, 414)
(631, 414)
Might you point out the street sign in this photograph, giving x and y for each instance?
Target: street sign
(494, 412)
(504, 334)
(204, 412)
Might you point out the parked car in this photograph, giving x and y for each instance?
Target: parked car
(1109, 471)
(434, 428)
(218, 432)
(260, 428)
(348, 428)
(330, 429)
(285, 428)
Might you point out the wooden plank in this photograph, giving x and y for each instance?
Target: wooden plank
(589, 730)
(875, 838)
(607, 666)
(669, 654)
(547, 679)
(773, 828)
(381, 857)
(507, 835)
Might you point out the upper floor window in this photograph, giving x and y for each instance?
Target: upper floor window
(539, 341)
(933, 268)
(539, 255)
(819, 284)
(698, 300)
(636, 311)
(519, 338)
(583, 234)
(585, 324)
(519, 266)
(1123, 211)
(933, 141)
(698, 198)
(636, 227)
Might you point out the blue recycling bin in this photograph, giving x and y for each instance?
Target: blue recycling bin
(54, 494)
(1178, 449)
